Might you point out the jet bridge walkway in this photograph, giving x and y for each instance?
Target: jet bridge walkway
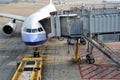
(87, 22)
(29, 69)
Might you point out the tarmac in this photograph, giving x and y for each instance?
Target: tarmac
(59, 65)
(58, 55)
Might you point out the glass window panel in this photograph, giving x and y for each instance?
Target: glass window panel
(40, 29)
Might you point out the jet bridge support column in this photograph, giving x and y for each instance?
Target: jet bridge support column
(76, 57)
(89, 57)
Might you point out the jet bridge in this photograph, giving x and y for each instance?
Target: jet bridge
(90, 23)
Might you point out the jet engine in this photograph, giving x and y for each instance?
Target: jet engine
(9, 28)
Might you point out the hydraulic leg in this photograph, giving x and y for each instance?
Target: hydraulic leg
(76, 58)
(89, 57)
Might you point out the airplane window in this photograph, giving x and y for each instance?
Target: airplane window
(34, 30)
(40, 29)
(28, 30)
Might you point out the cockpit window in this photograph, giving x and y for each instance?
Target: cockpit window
(34, 30)
(40, 29)
(28, 30)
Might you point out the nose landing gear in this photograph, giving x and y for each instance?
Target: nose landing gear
(36, 52)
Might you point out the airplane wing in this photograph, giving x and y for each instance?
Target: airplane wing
(16, 17)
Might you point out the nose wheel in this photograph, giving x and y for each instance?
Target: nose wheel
(36, 52)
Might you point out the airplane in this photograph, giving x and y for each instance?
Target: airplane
(33, 33)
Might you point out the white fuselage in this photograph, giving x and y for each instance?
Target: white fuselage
(33, 33)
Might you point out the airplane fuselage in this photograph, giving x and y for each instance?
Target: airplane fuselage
(33, 33)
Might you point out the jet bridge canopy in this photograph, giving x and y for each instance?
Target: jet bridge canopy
(84, 20)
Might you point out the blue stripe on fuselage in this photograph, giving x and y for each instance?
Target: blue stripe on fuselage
(34, 39)
(35, 43)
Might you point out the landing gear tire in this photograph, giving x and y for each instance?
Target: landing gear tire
(82, 41)
(89, 59)
(36, 54)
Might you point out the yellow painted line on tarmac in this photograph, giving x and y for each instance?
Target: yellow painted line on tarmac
(19, 71)
(37, 68)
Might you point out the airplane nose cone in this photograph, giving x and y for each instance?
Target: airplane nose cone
(35, 39)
